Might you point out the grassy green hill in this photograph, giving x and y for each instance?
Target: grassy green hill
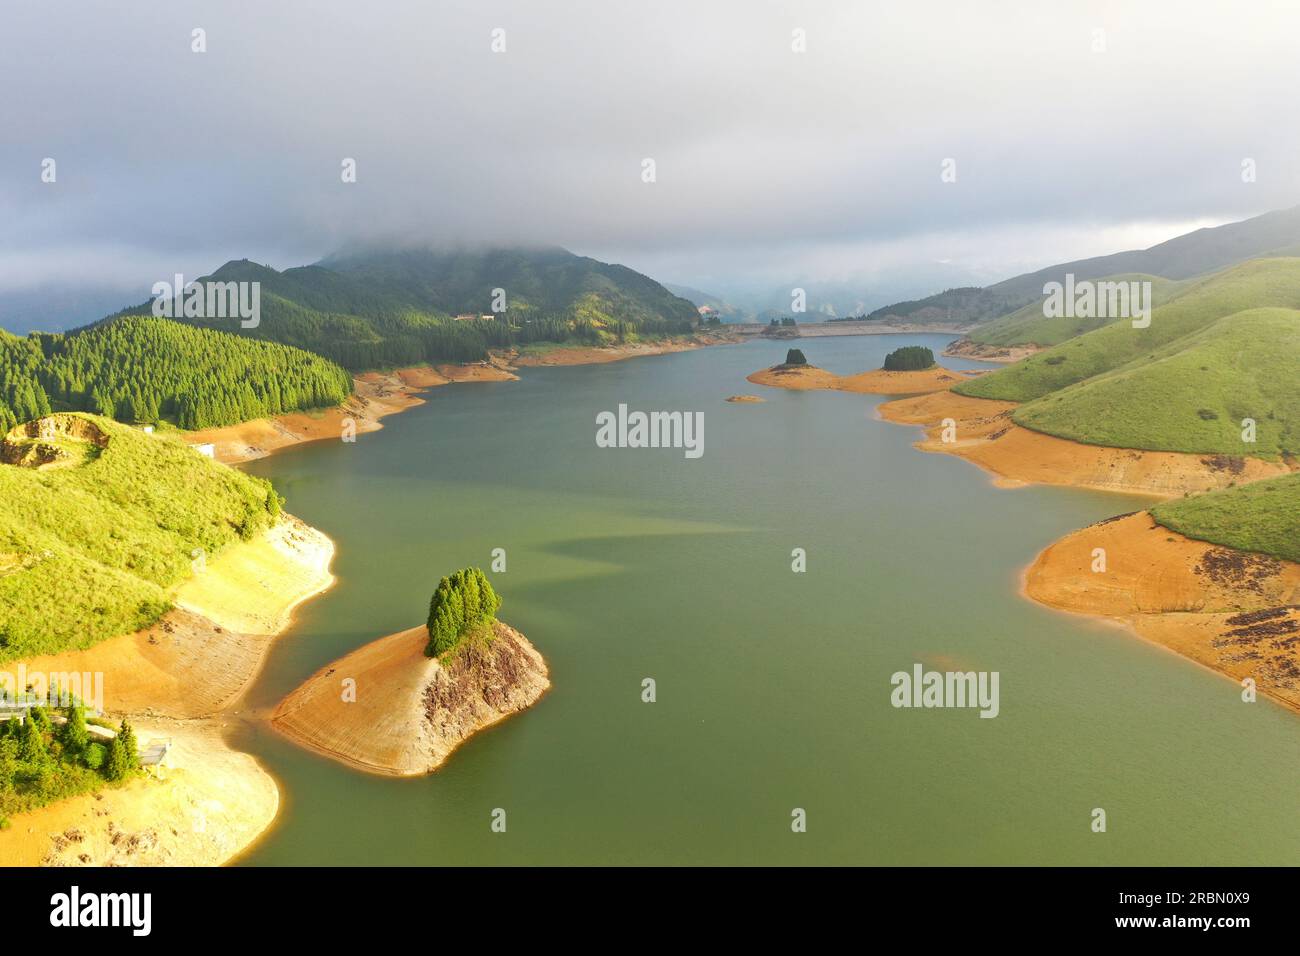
(1192, 394)
(90, 545)
(1028, 325)
(1263, 516)
(378, 308)
(1253, 284)
(138, 368)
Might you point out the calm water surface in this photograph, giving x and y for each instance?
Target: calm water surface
(773, 687)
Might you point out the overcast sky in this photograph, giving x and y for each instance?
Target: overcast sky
(771, 164)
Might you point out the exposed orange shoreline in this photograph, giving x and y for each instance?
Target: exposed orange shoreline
(982, 431)
(377, 395)
(1003, 354)
(875, 382)
(1228, 610)
(599, 355)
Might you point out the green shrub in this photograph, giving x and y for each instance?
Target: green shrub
(795, 357)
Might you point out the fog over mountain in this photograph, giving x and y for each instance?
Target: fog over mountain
(773, 166)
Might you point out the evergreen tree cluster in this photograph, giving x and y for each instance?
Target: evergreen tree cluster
(463, 602)
(909, 359)
(144, 369)
(41, 761)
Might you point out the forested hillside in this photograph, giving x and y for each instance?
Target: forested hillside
(147, 370)
(393, 308)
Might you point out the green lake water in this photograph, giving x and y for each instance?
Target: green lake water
(773, 688)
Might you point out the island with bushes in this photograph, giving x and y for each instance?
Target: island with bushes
(910, 370)
(401, 704)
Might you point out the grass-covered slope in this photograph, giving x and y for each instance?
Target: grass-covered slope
(1254, 284)
(1193, 394)
(91, 544)
(1028, 325)
(139, 368)
(1263, 516)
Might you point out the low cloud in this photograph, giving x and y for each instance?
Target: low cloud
(770, 164)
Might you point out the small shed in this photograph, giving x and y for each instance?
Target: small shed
(155, 752)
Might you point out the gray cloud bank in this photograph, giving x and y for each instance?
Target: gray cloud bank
(770, 164)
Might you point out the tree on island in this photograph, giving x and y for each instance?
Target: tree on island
(463, 603)
(909, 359)
(795, 357)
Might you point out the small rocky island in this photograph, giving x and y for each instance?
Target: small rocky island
(906, 371)
(400, 705)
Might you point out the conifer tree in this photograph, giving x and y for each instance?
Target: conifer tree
(116, 766)
(73, 734)
(130, 748)
(31, 742)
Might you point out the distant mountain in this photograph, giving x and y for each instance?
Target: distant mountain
(952, 306)
(729, 313)
(58, 307)
(374, 307)
(823, 300)
(1194, 254)
(535, 280)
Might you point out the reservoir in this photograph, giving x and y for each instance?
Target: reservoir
(772, 688)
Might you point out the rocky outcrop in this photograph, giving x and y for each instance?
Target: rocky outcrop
(965, 348)
(43, 442)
